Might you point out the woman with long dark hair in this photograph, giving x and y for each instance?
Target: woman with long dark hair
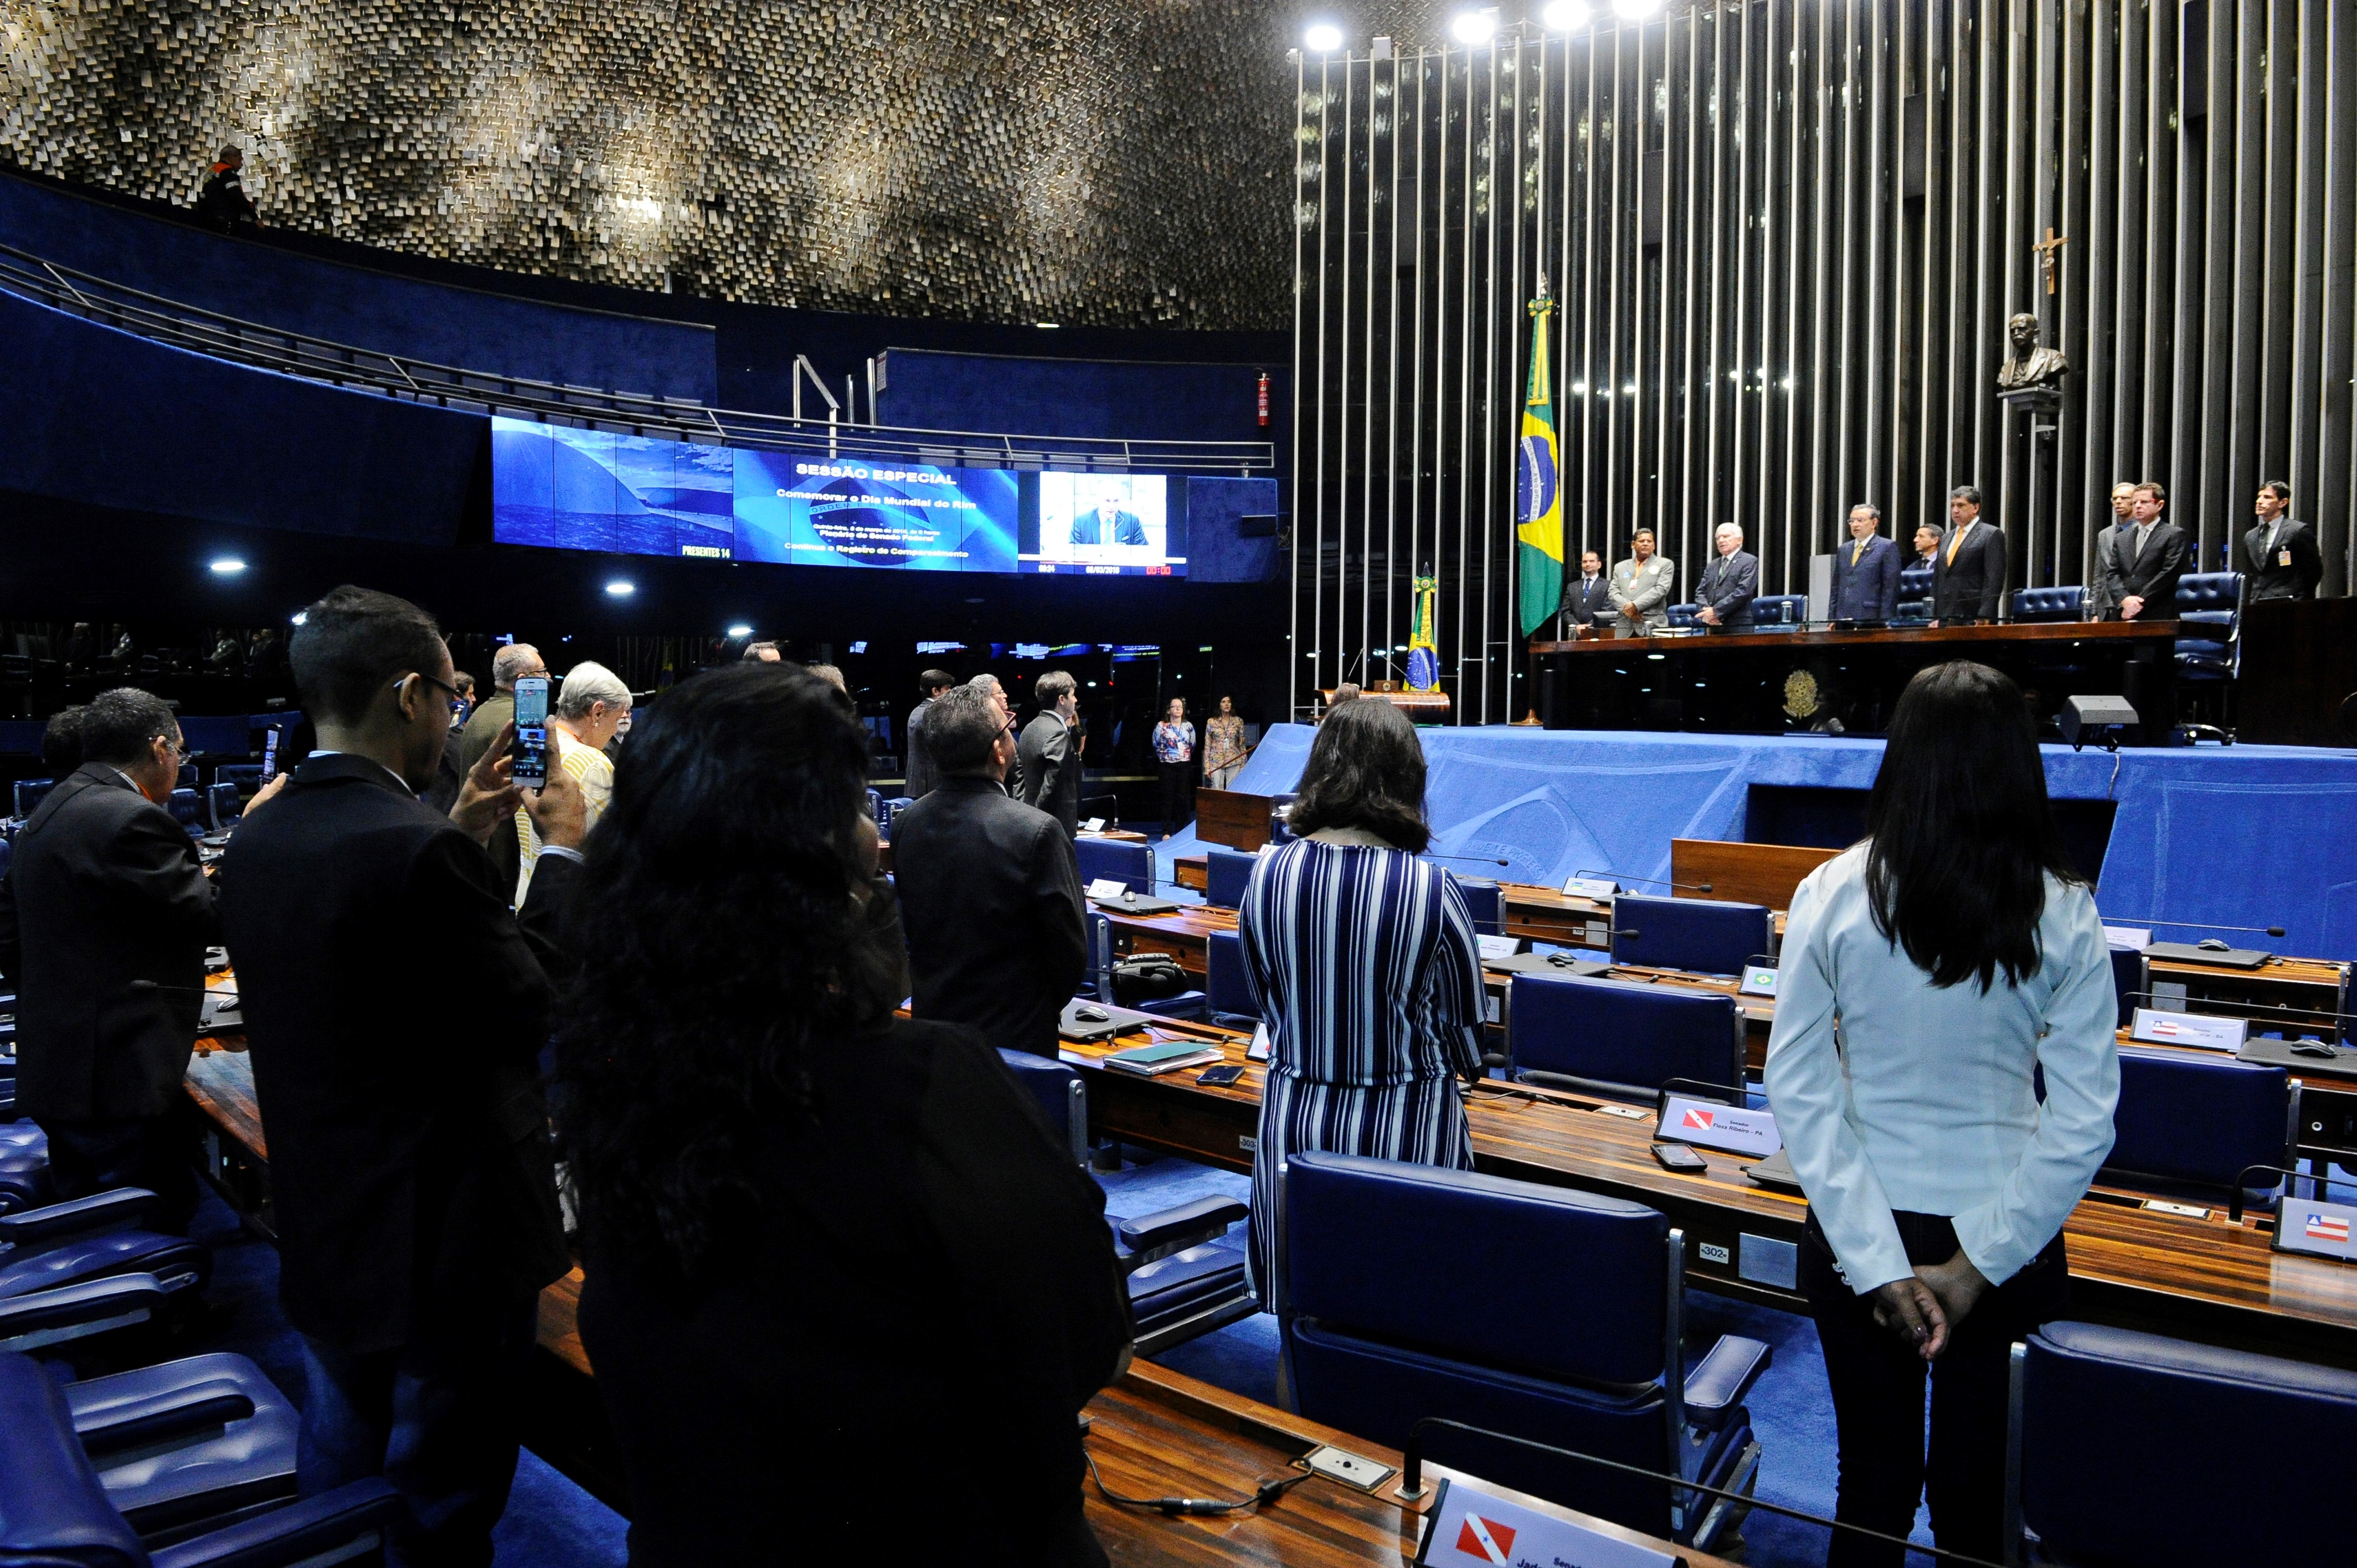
(1928, 975)
(1363, 961)
(810, 1231)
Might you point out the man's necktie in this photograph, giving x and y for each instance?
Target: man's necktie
(1857, 552)
(1956, 542)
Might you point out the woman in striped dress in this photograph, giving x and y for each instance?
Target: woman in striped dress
(1363, 961)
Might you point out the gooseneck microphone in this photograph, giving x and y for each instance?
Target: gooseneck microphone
(1467, 859)
(2195, 925)
(1656, 881)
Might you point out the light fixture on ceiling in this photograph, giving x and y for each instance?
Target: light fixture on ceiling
(1322, 38)
(621, 588)
(226, 565)
(1474, 28)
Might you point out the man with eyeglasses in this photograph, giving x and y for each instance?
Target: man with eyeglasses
(104, 916)
(410, 1158)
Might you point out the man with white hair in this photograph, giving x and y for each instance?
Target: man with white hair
(1723, 598)
(509, 665)
(591, 706)
(995, 695)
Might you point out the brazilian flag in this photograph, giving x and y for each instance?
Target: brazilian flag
(1538, 498)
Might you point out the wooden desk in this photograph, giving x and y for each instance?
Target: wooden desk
(1184, 934)
(1744, 872)
(2200, 1279)
(1233, 818)
(1765, 682)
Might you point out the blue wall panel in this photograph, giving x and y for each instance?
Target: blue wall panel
(2251, 835)
(930, 390)
(359, 306)
(99, 415)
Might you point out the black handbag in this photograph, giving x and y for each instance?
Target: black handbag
(1146, 977)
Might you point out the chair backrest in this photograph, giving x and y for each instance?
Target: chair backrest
(1780, 609)
(188, 777)
(1063, 1099)
(1227, 876)
(53, 1509)
(2188, 1116)
(1409, 1291)
(222, 804)
(1914, 591)
(1705, 935)
(1485, 901)
(246, 776)
(2102, 1411)
(188, 807)
(1620, 1038)
(1099, 925)
(2211, 599)
(1224, 987)
(1130, 863)
(2050, 603)
(1681, 614)
(31, 792)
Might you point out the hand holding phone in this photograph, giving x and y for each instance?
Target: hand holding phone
(528, 756)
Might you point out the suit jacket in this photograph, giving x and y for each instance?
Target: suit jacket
(2270, 578)
(1088, 527)
(2153, 574)
(395, 1010)
(1868, 590)
(104, 919)
(919, 764)
(1585, 602)
(1729, 584)
(2101, 606)
(483, 726)
(1050, 755)
(1971, 586)
(1648, 589)
(990, 898)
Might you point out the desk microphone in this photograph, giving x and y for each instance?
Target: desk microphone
(1656, 881)
(1467, 859)
(2193, 924)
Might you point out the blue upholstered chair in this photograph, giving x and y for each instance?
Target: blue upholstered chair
(886, 810)
(2050, 603)
(1407, 1290)
(1227, 874)
(1180, 1285)
(1780, 609)
(2208, 626)
(187, 808)
(1224, 987)
(1703, 934)
(1098, 986)
(2101, 1415)
(71, 1270)
(1485, 901)
(30, 793)
(1681, 614)
(193, 1442)
(222, 806)
(2187, 1119)
(1914, 594)
(24, 1163)
(56, 1510)
(246, 776)
(1619, 1039)
(1130, 863)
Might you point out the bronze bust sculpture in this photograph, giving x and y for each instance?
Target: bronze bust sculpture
(2030, 367)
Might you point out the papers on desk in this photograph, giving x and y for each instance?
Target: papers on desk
(1170, 1056)
(2155, 1028)
(2128, 938)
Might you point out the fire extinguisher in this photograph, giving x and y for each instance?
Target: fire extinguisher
(1264, 400)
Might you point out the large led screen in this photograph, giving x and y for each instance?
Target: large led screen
(592, 490)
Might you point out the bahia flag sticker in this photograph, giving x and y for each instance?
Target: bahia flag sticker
(1538, 498)
(2325, 1227)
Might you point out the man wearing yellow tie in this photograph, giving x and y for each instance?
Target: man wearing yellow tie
(1865, 569)
(1968, 579)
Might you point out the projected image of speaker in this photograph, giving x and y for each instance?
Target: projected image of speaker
(2103, 721)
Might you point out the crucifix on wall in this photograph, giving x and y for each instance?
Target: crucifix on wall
(2049, 258)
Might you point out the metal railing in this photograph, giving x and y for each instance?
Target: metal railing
(321, 360)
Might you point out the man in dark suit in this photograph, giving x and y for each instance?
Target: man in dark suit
(1968, 577)
(1108, 523)
(990, 891)
(1723, 598)
(2099, 603)
(104, 919)
(410, 1157)
(2283, 560)
(1865, 569)
(1049, 753)
(2146, 558)
(1587, 596)
(921, 775)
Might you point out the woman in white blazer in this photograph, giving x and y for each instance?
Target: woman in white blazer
(1929, 974)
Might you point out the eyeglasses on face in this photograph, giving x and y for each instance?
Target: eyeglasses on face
(457, 703)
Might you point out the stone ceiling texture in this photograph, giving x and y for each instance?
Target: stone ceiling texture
(1118, 161)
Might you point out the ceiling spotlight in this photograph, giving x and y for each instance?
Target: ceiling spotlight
(740, 629)
(1475, 27)
(227, 566)
(621, 588)
(1564, 15)
(1322, 38)
(1636, 10)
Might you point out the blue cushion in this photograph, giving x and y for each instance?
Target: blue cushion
(1542, 1281)
(1049, 1084)
(2192, 1118)
(245, 1456)
(1700, 934)
(52, 1508)
(2198, 591)
(2050, 603)
(1130, 863)
(174, 1260)
(1780, 609)
(1484, 901)
(1622, 1033)
(2111, 1414)
(1683, 615)
(1224, 986)
(1227, 875)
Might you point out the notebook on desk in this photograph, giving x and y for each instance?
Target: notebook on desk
(1775, 1172)
(1554, 965)
(2194, 953)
